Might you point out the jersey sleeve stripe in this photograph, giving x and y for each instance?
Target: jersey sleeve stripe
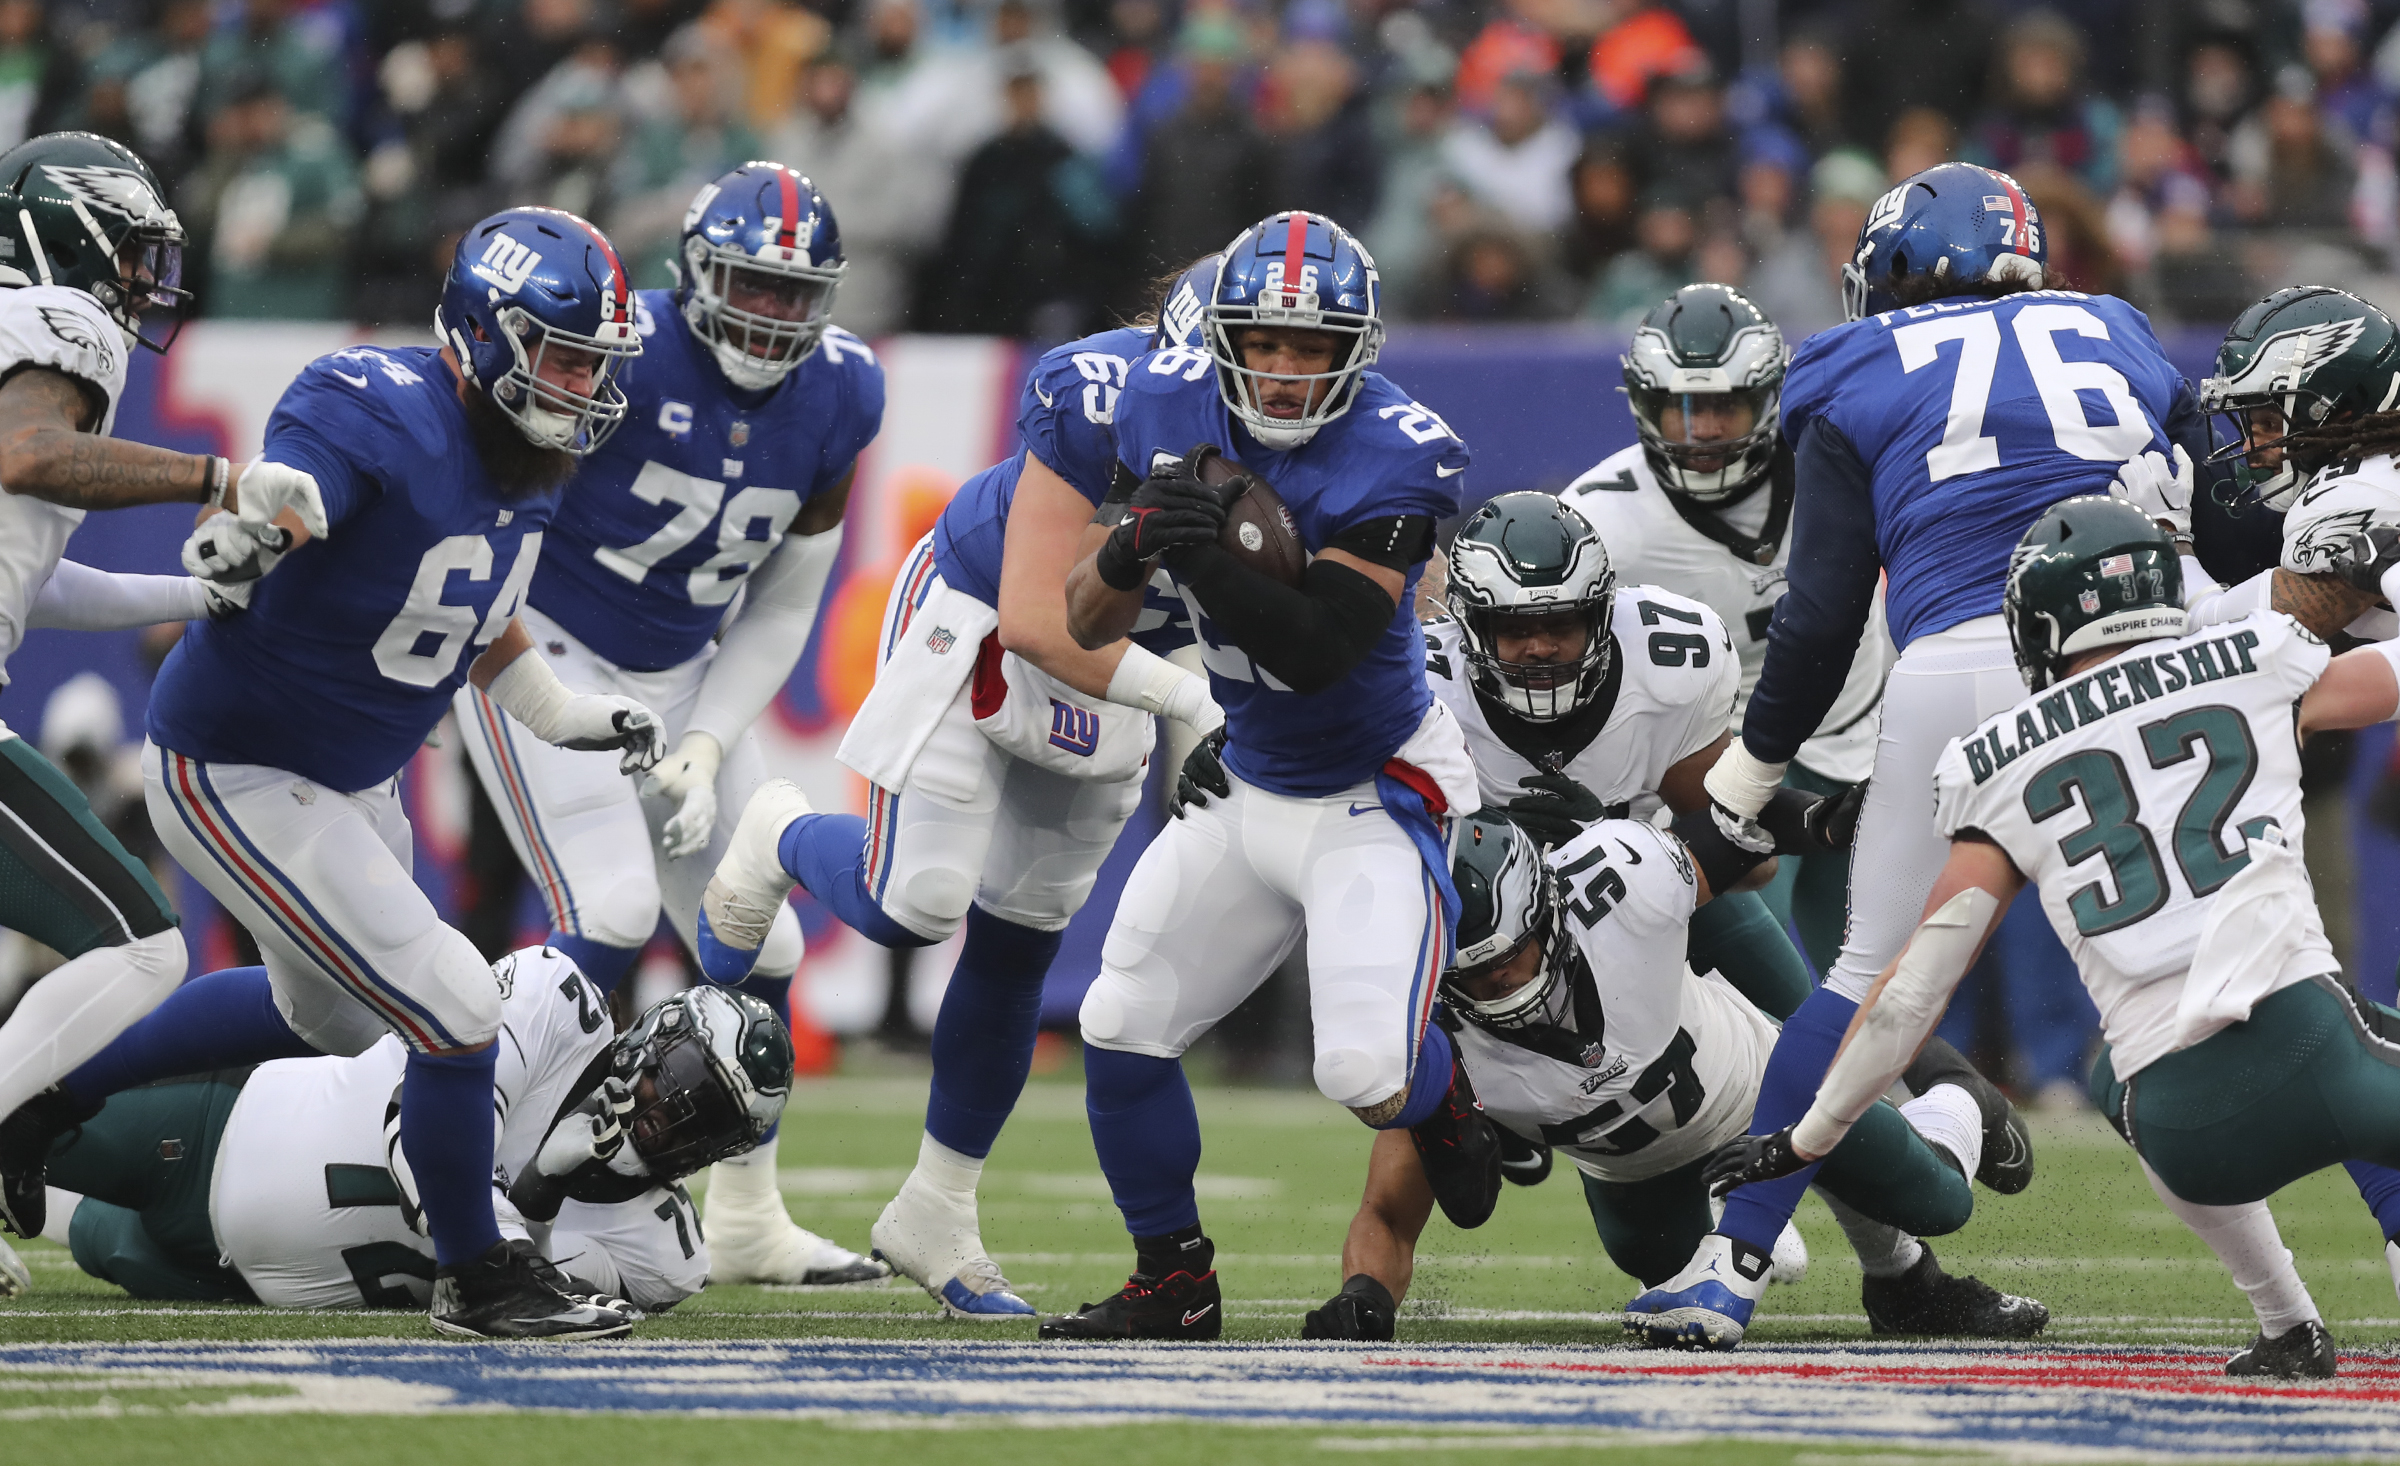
(553, 876)
(204, 815)
(916, 582)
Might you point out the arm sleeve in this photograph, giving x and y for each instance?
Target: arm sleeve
(1308, 638)
(79, 598)
(1835, 567)
(765, 641)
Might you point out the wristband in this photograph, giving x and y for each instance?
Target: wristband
(1818, 1133)
(528, 691)
(1119, 570)
(220, 478)
(1742, 782)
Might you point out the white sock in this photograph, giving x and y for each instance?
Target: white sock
(2245, 1240)
(72, 1013)
(952, 1174)
(1949, 1117)
(746, 1180)
(62, 1204)
(1884, 1251)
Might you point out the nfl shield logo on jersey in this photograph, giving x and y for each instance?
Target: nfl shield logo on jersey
(941, 640)
(738, 434)
(1077, 730)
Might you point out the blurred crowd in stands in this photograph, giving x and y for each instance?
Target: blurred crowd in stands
(1024, 166)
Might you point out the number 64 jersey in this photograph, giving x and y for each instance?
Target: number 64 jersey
(2128, 794)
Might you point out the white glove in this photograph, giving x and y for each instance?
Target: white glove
(2161, 488)
(226, 600)
(530, 692)
(267, 489)
(228, 550)
(688, 774)
(592, 1131)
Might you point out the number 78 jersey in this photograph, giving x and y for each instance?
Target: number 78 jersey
(2128, 794)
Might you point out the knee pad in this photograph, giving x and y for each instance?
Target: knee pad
(625, 911)
(931, 900)
(1358, 1078)
(161, 955)
(1117, 1015)
(326, 1017)
(453, 983)
(1362, 1042)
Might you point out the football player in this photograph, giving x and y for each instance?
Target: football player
(728, 477)
(1960, 400)
(988, 811)
(1702, 506)
(1585, 1029)
(2150, 787)
(1339, 768)
(92, 269)
(285, 1185)
(276, 737)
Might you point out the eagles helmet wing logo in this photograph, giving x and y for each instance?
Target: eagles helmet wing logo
(114, 189)
(2285, 362)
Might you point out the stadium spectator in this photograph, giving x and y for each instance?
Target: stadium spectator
(888, 197)
(300, 51)
(1665, 235)
(2288, 170)
(1517, 40)
(2348, 93)
(2082, 256)
(952, 100)
(1493, 275)
(1768, 188)
(1321, 135)
(1638, 42)
(2219, 88)
(145, 85)
(39, 78)
(1919, 138)
(273, 206)
(2041, 114)
(558, 146)
(527, 42)
(771, 43)
(1799, 285)
(1605, 192)
(1515, 159)
(443, 105)
(1685, 145)
(1918, 53)
(1806, 96)
(671, 156)
(1413, 119)
(1206, 173)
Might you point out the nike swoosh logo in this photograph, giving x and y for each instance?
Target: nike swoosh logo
(1046, 398)
(1197, 1314)
(1441, 472)
(1631, 857)
(358, 382)
(1359, 809)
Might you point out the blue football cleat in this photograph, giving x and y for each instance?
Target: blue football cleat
(1708, 1304)
(750, 884)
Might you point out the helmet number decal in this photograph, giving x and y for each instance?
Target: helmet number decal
(1307, 285)
(1420, 423)
(1965, 448)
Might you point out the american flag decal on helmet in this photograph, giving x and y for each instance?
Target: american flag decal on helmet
(2117, 565)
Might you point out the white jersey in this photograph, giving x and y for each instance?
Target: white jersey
(49, 326)
(2126, 794)
(305, 1204)
(1669, 695)
(1674, 1071)
(2335, 505)
(1648, 540)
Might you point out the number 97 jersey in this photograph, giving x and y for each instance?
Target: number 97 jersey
(2129, 793)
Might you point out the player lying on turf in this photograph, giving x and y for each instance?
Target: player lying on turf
(730, 475)
(1586, 1030)
(287, 1185)
(2151, 789)
(1701, 506)
(986, 810)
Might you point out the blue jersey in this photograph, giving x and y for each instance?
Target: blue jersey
(1063, 418)
(698, 486)
(352, 648)
(1385, 456)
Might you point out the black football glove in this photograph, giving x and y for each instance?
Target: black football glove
(1362, 1310)
(1750, 1160)
(1171, 509)
(2363, 562)
(1806, 824)
(1203, 774)
(1557, 809)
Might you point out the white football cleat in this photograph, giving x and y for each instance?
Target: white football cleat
(937, 1244)
(1790, 1263)
(750, 884)
(16, 1279)
(752, 1239)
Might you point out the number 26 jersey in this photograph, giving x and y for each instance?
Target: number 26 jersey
(2128, 794)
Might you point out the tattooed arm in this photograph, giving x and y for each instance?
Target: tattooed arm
(2322, 603)
(47, 450)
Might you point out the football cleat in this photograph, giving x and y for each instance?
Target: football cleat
(1708, 1304)
(1522, 1162)
(2007, 1164)
(750, 884)
(1926, 1301)
(756, 1241)
(2304, 1351)
(503, 1295)
(1460, 1148)
(1362, 1310)
(938, 1246)
(25, 1140)
(1178, 1307)
(1788, 1263)
(16, 1279)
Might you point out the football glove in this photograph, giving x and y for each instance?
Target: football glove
(2368, 558)
(267, 489)
(527, 690)
(1805, 824)
(1557, 809)
(1170, 509)
(228, 550)
(592, 1131)
(1203, 774)
(226, 600)
(688, 775)
(1750, 1160)
(2160, 487)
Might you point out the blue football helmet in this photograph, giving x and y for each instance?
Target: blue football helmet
(761, 256)
(1295, 270)
(539, 313)
(1956, 220)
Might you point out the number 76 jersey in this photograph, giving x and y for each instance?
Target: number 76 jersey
(2128, 794)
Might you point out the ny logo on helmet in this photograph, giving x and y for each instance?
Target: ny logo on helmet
(1180, 321)
(1887, 209)
(507, 264)
(113, 189)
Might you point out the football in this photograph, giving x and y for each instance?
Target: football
(1259, 530)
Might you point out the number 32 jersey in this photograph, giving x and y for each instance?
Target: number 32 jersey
(698, 486)
(2127, 794)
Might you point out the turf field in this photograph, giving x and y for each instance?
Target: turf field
(86, 1374)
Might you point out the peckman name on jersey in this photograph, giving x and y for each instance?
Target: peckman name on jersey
(353, 646)
(669, 517)
(1386, 456)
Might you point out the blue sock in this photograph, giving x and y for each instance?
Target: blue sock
(826, 853)
(776, 993)
(1802, 1054)
(446, 1133)
(218, 1020)
(1430, 1085)
(2380, 1186)
(983, 1040)
(605, 965)
(1147, 1135)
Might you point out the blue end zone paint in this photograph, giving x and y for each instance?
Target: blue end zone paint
(2162, 1402)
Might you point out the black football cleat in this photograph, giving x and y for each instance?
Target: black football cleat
(25, 1141)
(1362, 1310)
(1179, 1307)
(2304, 1351)
(1460, 1148)
(2007, 1165)
(1522, 1162)
(1927, 1302)
(503, 1295)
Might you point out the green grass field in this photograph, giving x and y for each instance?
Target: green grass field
(1278, 1183)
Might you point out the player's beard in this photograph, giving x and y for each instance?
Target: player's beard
(519, 468)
